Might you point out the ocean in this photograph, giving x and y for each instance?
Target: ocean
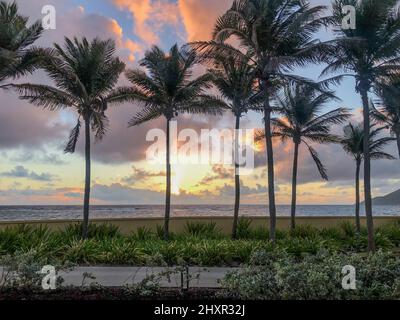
(18, 213)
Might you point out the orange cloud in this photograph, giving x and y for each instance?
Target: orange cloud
(133, 47)
(115, 28)
(150, 16)
(199, 16)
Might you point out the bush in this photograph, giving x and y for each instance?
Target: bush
(95, 231)
(244, 228)
(202, 230)
(22, 271)
(144, 233)
(200, 244)
(278, 275)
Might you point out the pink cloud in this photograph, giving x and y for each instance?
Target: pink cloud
(199, 16)
(150, 17)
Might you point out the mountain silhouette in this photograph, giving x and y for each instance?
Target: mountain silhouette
(390, 199)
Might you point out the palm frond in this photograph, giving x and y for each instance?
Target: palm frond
(46, 96)
(321, 168)
(73, 138)
(148, 113)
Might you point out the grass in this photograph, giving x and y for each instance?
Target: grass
(199, 244)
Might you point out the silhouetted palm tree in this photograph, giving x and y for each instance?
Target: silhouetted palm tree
(367, 53)
(236, 82)
(388, 114)
(17, 56)
(85, 74)
(168, 90)
(303, 122)
(353, 144)
(276, 36)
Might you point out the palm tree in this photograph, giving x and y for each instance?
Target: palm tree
(168, 90)
(276, 36)
(388, 114)
(85, 74)
(367, 53)
(236, 82)
(303, 123)
(353, 144)
(17, 56)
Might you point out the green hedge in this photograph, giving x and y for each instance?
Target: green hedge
(279, 276)
(197, 245)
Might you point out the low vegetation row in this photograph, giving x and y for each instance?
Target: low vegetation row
(269, 275)
(199, 244)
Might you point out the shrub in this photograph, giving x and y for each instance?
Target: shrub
(203, 230)
(278, 275)
(22, 271)
(243, 228)
(143, 233)
(95, 231)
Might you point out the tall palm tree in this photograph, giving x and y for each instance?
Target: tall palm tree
(17, 55)
(353, 144)
(276, 36)
(167, 90)
(388, 114)
(303, 122)
(85, 75)
(236, 82)
(367, 53)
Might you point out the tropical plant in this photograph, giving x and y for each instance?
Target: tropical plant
(353, 144)
(85, 74)
(276, 36)
(367, 53)
(17, 55)
(168, 90)
(277, 275)
(303, 122)
(388, 114)
(236, 82)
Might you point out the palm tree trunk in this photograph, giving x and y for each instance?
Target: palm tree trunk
(87, 180)
(358, 224)
(294, 187)
(398, 142)
(237, 179)
(168, 191)
(367, 172)
(270, 163)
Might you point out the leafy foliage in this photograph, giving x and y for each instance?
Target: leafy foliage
(85, 74)
(353, 142)
(279, 276)
(167, 88)
(302, 120)
(18, 56)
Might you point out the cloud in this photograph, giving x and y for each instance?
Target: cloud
(219, 173)
(41, 157)
(23, 125)
(229, 190)
(150, 17)
(199, 16)
(22, 172)
(117, 193)
(139, 175)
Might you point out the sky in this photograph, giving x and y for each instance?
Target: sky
(35, 170)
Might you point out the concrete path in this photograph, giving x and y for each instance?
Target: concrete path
(169, 277)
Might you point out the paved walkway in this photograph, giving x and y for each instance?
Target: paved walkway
(120, 276)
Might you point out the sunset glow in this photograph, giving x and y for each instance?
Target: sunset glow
(33, 167)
